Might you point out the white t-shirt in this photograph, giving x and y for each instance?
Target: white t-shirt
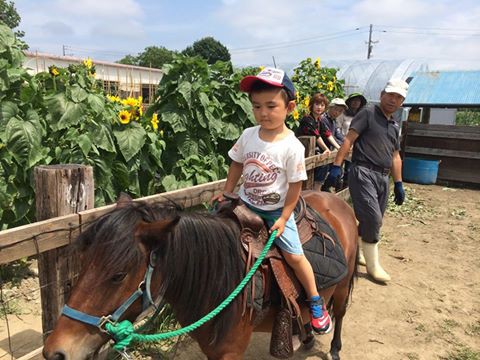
(268, 167)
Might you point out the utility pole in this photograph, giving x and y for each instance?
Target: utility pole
(63, 50)
(370, 43)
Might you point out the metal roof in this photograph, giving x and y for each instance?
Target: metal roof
(444, 89)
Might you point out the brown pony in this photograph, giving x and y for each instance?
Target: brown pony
(197, 264)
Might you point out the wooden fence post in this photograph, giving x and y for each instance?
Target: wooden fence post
(309, 144)
(59, 190)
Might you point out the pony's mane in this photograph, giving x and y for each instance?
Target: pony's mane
(200, 261)
(201, 265)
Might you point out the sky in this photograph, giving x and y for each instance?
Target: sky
(445, 34)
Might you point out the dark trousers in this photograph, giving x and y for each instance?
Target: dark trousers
(369, 194)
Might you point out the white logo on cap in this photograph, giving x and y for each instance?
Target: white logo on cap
(272, 74)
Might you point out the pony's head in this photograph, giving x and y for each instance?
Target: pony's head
(197, 265)
(114, 252)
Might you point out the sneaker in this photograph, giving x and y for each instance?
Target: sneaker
(319, 317)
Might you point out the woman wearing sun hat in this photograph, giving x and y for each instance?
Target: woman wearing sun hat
(355, 102)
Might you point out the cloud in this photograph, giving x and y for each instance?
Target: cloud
(100, 9)
(55, 28)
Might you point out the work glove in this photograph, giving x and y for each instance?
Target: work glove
(399, 193)
(333, 177)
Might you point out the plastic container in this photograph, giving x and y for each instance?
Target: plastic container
(420, 171)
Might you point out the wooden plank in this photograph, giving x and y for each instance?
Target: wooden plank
(442, 152)
(444, 134)
(192, 196)
(459, 175)
(450, 128)
(17, 243)
(309, 145)
(60, 190)
(319, 160)
(33, 355)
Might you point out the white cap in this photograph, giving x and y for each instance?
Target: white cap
(338, 102)
(397, 86)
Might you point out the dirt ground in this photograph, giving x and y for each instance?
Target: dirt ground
(430, 310)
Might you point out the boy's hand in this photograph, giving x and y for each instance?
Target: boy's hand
(279, 225)
(326, 152)
(217, 198)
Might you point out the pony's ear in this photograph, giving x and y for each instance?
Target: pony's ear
(123, 200)
(150, 233)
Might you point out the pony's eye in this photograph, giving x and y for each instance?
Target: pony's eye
(118, 277)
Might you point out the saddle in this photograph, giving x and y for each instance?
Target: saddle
(254, 236)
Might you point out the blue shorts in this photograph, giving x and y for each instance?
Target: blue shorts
(289, 241)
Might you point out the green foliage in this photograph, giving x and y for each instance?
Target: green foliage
(10, 16)
(468, 117)
(128, 60)
(152, 56)
(310, 78)
(201, 113)
(209, 49)
(63, 117)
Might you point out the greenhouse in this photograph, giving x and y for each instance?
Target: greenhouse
(370, 76)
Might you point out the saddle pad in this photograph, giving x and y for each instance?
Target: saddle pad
(327, 258)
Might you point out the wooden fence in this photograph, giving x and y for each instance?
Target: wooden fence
(43, 236)
(458, 148)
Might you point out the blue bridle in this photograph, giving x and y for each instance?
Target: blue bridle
(115, 316)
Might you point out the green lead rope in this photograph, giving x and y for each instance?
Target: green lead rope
(124, 332)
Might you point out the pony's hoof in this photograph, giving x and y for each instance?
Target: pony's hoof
(331, 356)
(309, 342)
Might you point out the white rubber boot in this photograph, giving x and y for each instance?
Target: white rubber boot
(374, 269)
(361, 257)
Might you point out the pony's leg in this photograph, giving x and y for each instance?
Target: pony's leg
(234, 345)
(340, 298)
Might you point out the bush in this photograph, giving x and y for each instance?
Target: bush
(468, 117)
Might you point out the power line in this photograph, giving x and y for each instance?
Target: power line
(298, 42)
(426, 33)
(427, 28)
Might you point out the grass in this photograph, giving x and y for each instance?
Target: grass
(473, 329)
(413, 207)
(462, 353)
(9, 307)
(15, 272)
(165, 322)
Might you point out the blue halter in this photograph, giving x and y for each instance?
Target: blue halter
(113, 318)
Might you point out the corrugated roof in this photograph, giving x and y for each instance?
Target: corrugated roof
(444, 88)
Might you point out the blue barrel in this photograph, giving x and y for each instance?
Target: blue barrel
(420, 171)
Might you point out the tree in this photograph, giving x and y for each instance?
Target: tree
(209, 49)
(10, 16)
(128, 60)
(152, 56)
(155, 56)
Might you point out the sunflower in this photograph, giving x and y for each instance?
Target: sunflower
(306, 101)
(154, 122)
(124, 116)
(295, 114)
(88, 63)
(317, 63)
(53, 71)
(130, 102)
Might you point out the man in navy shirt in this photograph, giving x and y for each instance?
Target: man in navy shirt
(374, 135)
